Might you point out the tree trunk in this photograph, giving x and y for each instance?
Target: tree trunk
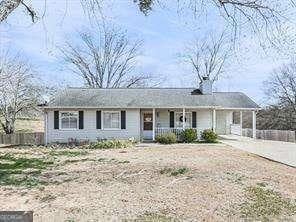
(8, 127)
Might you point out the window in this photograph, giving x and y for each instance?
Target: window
(179, 120)
(147, 121)
(111, 120)
(69, 120)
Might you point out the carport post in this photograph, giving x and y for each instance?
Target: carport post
(153, 124)
(254, 124)
(214, 120)
(184, 119)
(241, 122)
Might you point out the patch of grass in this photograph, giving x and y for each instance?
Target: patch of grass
(236, 178)
(265, 204)
(112, 144)
(124, 161)
(77, 160)
(21, 171)
(101, 160)
(262, 184)
(8, 162)
(174, 172)
(152, 217)
(69, 153)
(70, 220)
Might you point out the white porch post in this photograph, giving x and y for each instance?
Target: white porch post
(254, 124)
(241, 122)
(183, 123)
(214, 120)
(153, 124)
(45, 127)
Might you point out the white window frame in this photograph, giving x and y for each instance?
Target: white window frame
(60, 120)
(119, 120)
(186, 113)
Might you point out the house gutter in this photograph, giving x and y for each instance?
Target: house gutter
(151, 107)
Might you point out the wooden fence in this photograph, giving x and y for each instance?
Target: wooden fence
(278, 135)
(22, 138)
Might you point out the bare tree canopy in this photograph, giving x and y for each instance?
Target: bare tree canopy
(18, 91)
(281, 90)
(207, 57)
(105, 58)
(281, 86)
(254, 11)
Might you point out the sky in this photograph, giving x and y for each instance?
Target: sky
(165, 34)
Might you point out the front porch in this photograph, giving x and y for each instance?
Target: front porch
(155, 122)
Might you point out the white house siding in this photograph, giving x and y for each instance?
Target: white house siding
(90, 132)
(223, 121)
(203, 118)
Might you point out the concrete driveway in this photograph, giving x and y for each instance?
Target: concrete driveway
(283, 152)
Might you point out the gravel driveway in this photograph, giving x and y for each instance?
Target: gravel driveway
(282, 152)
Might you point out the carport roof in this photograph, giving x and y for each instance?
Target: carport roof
(148, 98)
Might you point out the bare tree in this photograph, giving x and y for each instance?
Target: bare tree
(18, 91)
(105, 58)
(207, 57)
(280, 88)
(254, 11)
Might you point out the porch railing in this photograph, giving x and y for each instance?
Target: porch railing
(176, 131)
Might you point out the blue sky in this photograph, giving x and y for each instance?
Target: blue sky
(165, 33)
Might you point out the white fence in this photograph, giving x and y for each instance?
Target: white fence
(278, 135)
(235, 129)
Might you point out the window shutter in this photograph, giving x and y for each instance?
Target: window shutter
(193, 119)
(172, 119)
(81, 121)
(123, 119)
(56, 120)
(99, 121)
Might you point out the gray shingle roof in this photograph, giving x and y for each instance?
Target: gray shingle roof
(149, 98)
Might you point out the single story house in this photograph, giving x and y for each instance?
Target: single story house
(141, 113)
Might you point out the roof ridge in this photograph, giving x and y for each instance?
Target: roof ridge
(191, 88)
(132, 88)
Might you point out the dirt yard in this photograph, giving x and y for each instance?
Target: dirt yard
(149, 182)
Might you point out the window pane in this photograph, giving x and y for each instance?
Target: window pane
(147, 117)
(73, 122)
(69, 120)
(65, 114)
(65, 123)
(107, 120)
(111, 120)
(148, 121)
(148, 125)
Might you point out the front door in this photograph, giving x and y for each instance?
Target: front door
(147, 125)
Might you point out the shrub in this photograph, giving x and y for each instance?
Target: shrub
(167, 138)
(112, 144)
(209, 136)
(189, 135)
